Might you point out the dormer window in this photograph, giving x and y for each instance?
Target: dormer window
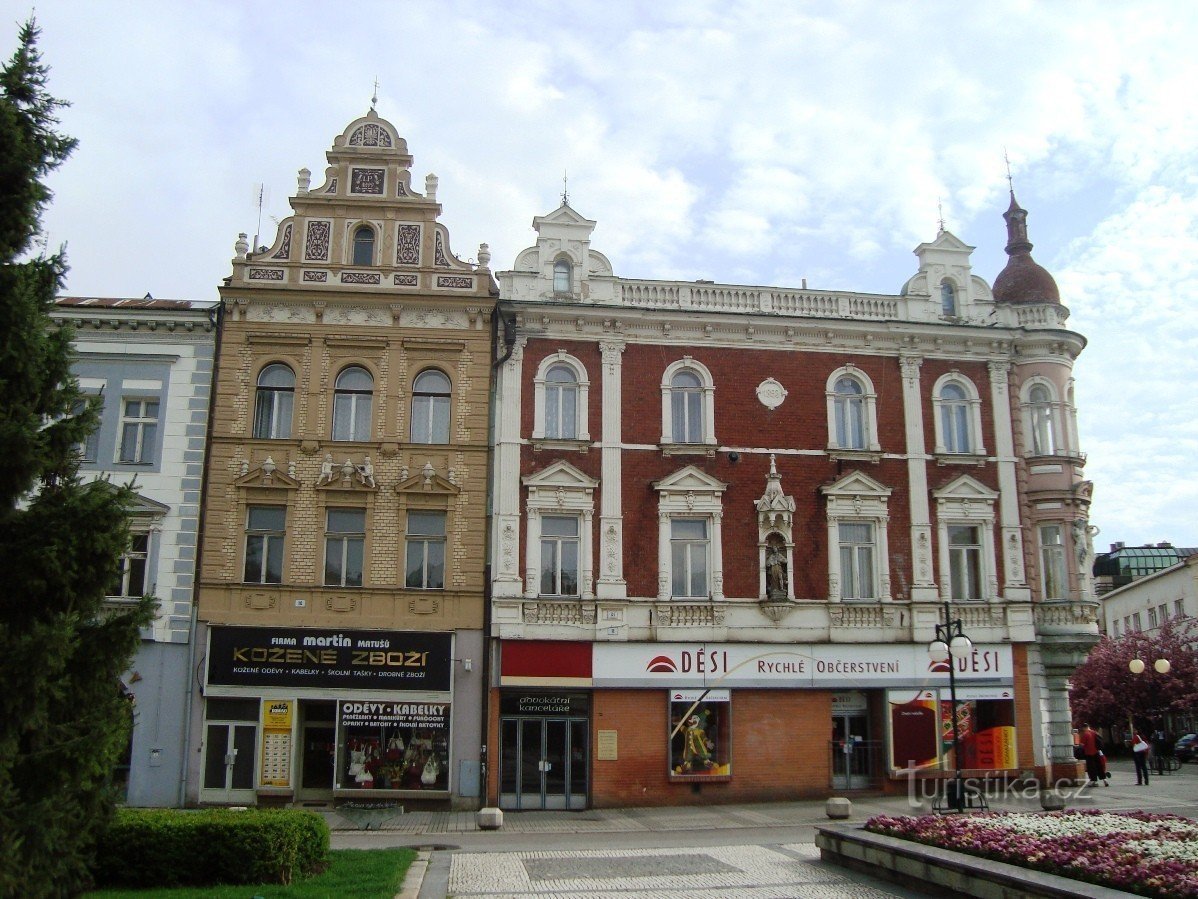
(562, 276)
(948, 299)
(364, 246)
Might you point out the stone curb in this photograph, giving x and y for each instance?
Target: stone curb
(414, 878)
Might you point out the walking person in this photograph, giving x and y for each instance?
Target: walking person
(1091, 745)
(1140, 752)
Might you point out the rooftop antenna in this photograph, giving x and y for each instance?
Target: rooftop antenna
(374, 98)
(1010, 181)
(565, 189)
(940, 212)
(260, 199)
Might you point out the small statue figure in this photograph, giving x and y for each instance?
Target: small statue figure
(366, 472)
(775, 572)
(326, 470)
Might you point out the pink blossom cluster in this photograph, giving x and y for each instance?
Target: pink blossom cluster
(1143, 853)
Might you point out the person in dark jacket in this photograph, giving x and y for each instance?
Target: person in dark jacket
(1091, 745)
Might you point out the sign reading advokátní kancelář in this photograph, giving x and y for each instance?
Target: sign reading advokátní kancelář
(329, 659)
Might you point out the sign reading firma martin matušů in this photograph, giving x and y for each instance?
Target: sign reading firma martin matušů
(307, 657)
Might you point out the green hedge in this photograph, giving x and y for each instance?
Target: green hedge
(169, 847)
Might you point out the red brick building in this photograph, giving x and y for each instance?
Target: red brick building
(726, 521)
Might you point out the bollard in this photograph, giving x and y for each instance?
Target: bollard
(838, 807)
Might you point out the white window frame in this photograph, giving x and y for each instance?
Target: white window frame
(138, 530)
(1042, 420)
(707, 404)
(558, 288)
(858, 499)
(89, 446)
(143, 448)
(558, 542)
(965, 562)
(353, 244)
(268, 537)
(274, 425)
(692, 494)
(356, 399)
(541, 393)
(967, 502)
(427, 417)
(560, 490)
(868, 406)
(972, 404)
(1053, 562)
(953, 308)
(343, 539)
(424, 542)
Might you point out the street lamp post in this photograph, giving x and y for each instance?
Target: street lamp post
(1137, 666)
(952, 644)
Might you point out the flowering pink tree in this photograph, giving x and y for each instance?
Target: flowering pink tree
(1105, 691)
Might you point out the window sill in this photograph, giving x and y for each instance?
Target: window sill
(1077, 459)
(870, 455)
(688, 449)
(547, 443)
(977, 459)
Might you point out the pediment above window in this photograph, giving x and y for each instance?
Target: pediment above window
(560, 475)
(144, 506)
(267, 474)
(689, 479)
(965, 488)
(856, 483)
(427, 481)
(346, 475)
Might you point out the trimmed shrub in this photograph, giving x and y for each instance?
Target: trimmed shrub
(169, 847)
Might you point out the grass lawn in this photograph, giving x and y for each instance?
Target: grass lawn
(353, 874)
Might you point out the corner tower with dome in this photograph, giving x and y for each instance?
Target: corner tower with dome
(340, 595)
(727, 520)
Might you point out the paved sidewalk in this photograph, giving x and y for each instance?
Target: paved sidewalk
(743, 851)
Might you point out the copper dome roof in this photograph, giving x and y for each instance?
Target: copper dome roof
(1023, 280)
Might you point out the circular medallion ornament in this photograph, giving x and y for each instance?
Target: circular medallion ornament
(771, 393)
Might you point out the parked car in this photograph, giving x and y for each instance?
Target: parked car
(1186, 749)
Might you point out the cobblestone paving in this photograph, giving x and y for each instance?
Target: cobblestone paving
(736, 872)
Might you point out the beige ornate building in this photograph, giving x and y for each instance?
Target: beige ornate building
(340, 600)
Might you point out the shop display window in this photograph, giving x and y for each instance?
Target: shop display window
(700, 734)
(393, 746)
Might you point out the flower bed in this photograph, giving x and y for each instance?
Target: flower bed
(1148, 854)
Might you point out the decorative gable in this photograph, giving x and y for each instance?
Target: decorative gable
(267, 474)
(689, 480)
(427, 481)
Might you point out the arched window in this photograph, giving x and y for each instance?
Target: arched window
(849, 403)
(430, 407)
(1041, 411)
(948, 298)
(686, 407)
(364, 245)
(562, 276)
(273, 403)
(954, 419)
(352, 401)
(561, 403)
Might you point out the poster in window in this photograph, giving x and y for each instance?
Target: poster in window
(700, 728)
(914, 729)
(394, 746)
(985, 728)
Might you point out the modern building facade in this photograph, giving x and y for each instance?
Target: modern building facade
(151, 362)
(727, 520)
(1164, 587)
(341, 596)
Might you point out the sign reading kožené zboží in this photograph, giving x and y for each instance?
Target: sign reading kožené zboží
(329, 659)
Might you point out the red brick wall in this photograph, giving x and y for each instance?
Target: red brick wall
(779, 749)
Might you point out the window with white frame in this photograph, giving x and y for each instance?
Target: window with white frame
(857, 553)
(1136, 622)
(857, 538)
(89, 448)
(957, 416)
(265, 530)
(273, 402)
(852, 411)
(1115, 628)
(690, 536)
(563, 274)
(363, 248)
(430, 407)
(1127, 624)
(130, 579)
(1041, 419)
(560, 518)
(1179, 608)
(139, 429)
(1162, 612)
(948, 299)
(1152, 621)
(562, 392)
(559, 555)
(1053, 571)
(344, 547)
(689, 549)
(688, 404)
(353, 400)
(965, 512)
(425, 550)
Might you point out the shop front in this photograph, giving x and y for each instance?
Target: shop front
(310, 716)
(678, 723)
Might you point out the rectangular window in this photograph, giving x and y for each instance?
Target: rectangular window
(1127, 624)
(687, 411)
(965, 561)
(430, 419)
(1054, 578)
(393, 746)
(130, 579)
(1152, 617)
(89, 449)
(559, 556)
(1162, 612)
(139, 428)
(688, 556)
(857, 561)
(426, 550)
(700, 734)
(1136, 623)
(1115, 624)
(344, 547)
(264, 532)
(1179, 609)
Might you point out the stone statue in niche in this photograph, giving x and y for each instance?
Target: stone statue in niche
(776, 575)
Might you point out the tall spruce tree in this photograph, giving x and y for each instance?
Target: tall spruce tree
(63, 723)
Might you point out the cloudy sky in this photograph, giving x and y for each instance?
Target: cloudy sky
(745, 142)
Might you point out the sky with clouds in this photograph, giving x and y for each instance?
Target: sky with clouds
(745, 142)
